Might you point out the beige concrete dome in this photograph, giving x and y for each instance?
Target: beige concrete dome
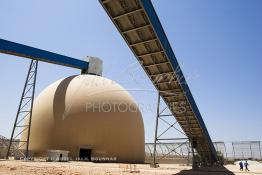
(88, 112)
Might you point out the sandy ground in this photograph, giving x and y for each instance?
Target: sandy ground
(12, 167)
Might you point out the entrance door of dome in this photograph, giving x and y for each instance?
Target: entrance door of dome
(85, 154)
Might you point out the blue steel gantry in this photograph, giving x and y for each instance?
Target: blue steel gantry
(24, 113)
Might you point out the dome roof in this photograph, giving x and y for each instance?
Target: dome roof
(88, 111)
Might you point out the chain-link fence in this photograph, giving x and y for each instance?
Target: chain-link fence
(247, 150)
(181, 150)
(230, 150)
(168, 152)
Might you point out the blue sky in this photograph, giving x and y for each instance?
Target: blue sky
(218, 44)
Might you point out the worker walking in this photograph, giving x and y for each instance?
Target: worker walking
(246, 166)
(241, 165)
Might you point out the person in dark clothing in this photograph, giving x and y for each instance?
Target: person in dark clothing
(246, 166)
(241, 165)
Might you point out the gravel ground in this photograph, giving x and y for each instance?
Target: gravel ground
(12, 167)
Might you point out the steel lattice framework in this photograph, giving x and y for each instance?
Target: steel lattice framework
(138, 23)
(23, 118)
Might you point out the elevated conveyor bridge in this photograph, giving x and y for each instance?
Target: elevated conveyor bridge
(138, 23)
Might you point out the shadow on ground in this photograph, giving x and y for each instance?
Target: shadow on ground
(207, 171)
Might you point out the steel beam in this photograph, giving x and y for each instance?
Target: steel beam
(16, 49)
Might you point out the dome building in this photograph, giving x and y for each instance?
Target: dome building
(89, 116)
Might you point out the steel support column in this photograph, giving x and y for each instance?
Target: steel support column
(159, 136)
(191, 140)
(155, 140)
(23, 118)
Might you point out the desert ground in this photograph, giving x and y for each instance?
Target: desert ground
(17, 167)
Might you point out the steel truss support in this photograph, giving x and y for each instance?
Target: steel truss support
(158, 136)
(19, 141)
